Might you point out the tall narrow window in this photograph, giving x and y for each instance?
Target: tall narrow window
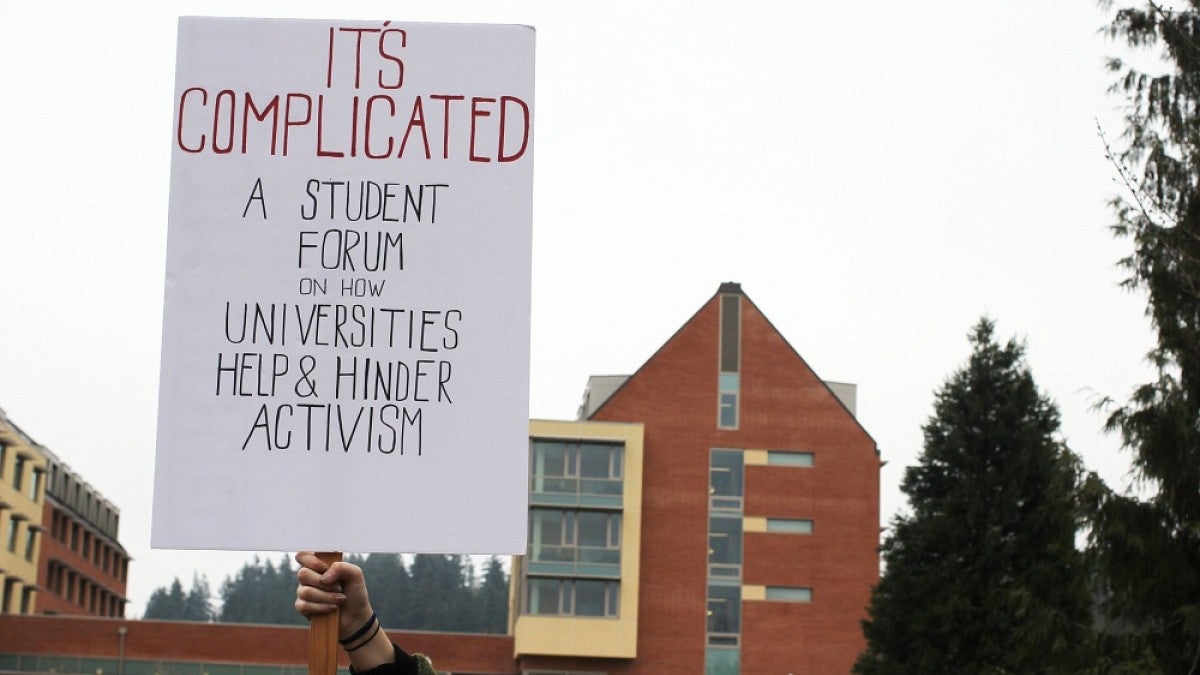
(724, 612)
(19, 472)
(729, 362)
(10, 589)
(724, 545)
(26, 599)
(725, 480)
(12, 533)
(35, 485)
(30, 543)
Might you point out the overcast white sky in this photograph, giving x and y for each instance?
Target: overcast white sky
(877, 176)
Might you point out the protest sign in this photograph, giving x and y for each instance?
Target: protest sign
(345, 350)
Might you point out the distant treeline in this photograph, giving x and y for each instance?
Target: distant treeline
(430, 592)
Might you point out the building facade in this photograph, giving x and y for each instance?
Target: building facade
(60, 553)
(22, 491)
(759, 506)
(83, 568)
(576, 593)
(716, 512)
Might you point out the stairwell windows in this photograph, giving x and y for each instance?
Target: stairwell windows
(725, 479)
(724, 611)
(724, 545)
(725, 525)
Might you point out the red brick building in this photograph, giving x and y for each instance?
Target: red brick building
(716, 512)
(759, 508)
(82, 568)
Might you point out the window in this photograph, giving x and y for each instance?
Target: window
(725, 479)
(790, 526)
(729, 362)
(724, 597)
(35, 485)
(576, 468)
(727, 417)
(728, 386)
(3, 455)
(784, 458)
(722, 661)
(13, 525)
(19, 472)
(724, 611)
(789, 594)
(30, 541)
(10, 589)
(572, 597)
(588, 537)
(724, 545)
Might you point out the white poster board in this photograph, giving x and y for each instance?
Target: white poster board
(345, 353)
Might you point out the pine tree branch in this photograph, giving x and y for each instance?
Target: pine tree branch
(1141, 196)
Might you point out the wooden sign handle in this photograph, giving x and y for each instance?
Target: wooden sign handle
(323, 634)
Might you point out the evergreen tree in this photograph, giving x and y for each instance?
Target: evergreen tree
(440, 593)
(983, 575)
(1148, 549)
(388, 580)
(167, 605)
(492, 599)
(198, 604)
(440, 598)
(261, 593)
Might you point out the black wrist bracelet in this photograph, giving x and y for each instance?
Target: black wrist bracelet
(364, 642)
(360, 632)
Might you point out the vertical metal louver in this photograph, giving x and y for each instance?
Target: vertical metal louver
(730, 332)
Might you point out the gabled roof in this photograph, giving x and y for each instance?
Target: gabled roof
(725, 288)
